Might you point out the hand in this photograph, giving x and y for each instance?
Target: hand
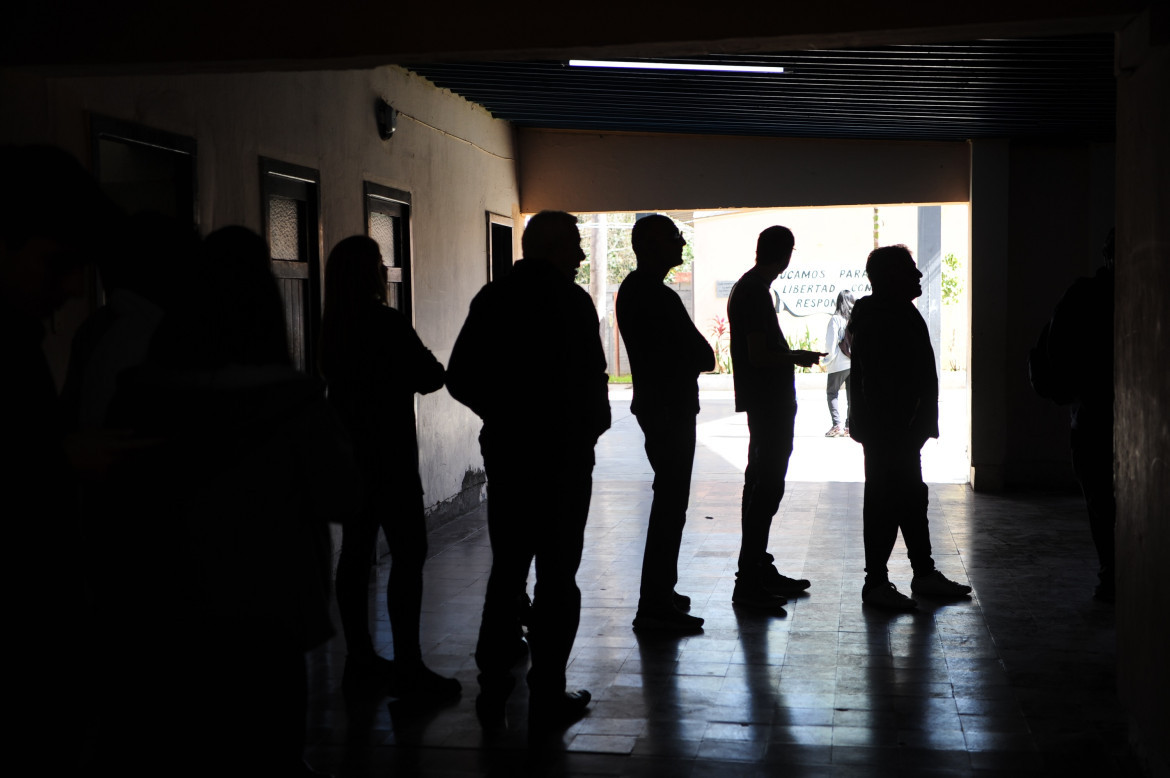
(807, 358)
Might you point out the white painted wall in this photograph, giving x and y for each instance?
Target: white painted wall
(455, 159)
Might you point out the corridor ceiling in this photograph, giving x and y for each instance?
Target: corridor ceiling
(1041, 88)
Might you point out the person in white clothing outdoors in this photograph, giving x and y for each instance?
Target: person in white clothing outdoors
(837, 364)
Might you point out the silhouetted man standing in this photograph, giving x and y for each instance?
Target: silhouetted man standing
(1082, 324)
(765, 388)
(667, 354)
(537, 444)
(895, 390)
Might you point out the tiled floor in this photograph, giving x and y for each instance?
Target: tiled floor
(1018, 681)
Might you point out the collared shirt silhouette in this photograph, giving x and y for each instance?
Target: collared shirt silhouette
(765, 389)
(667, 354)
(895, 391)
(537, 441)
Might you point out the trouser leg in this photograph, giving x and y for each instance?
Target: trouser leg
(406, 535)
(915, 524)
(848, 397)
(833, 391)
(1092, 454)
(512, 551)
(556, 602)
(878, 519)
(353, 582)
(895, 498)
(769, 449)
(670, 447)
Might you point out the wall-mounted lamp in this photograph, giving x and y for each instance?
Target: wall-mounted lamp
(386, 117)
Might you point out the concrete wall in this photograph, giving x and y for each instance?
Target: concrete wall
(1142, 433)
(455, 160)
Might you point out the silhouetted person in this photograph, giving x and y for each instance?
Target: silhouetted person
(837, 364)
(765, 388)
(895, 389)
(53, 221)
(375, 363)
(140, 279)
(1082, 325)
(667, 354)
(219, 542)
(537, 443)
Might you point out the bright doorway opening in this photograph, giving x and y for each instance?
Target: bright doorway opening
(831, 248)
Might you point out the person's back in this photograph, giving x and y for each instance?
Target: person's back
(537, 442)
(1080, 350)
(537, 323)
(1080, 344)
(372, 385)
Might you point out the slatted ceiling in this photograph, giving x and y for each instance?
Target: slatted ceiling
(1018, 88)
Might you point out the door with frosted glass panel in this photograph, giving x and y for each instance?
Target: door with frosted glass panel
(388, 223)
(293, 233)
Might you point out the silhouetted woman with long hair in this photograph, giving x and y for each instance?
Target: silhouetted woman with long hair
(837, 363)
(374, 364)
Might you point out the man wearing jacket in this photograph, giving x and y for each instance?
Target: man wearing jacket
(895, 391)
(537, 444)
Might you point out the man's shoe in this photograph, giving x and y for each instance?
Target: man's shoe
(419, 682)
(887, 597)
(754, 596)
(490, 709)
(492, 700)
(555, 712)
(681, 601)
(835, 432)
(365, 676)
(935, 584)
(667, 620)
(845, 432)
(782, 585)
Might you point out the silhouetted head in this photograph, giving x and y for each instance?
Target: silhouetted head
(844, 303)
(657, 243)
(354, 273)
(892, 271)
(53, 220)
(355, 278)
(233, 314)
(774, 250)
(148, 257)
(552, 237)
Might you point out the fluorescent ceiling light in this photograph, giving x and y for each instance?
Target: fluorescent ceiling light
(610, 63)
